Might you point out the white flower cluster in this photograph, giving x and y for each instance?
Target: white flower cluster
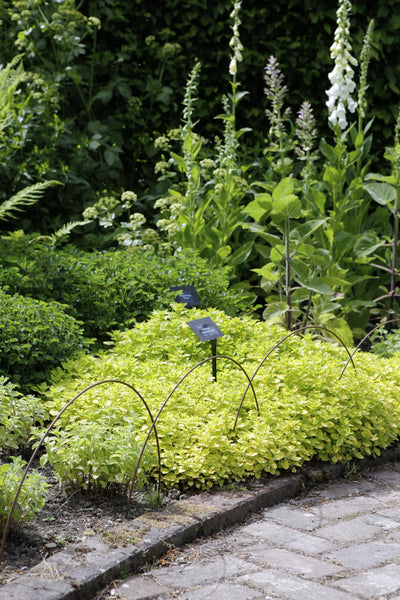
(341, 78)
(235, 42)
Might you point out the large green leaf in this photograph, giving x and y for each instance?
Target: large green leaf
(288, 206)
(260, 230)
(268, 271)
(241, 254)
(328, 151)
(316, 198)
(342, 330)
(259, 207)
(283, 188)
(367, 244)
(315, 284)
(303, 231)
(382, 192)
(275, 310)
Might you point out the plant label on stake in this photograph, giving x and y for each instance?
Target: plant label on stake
(188, 295)
(207, 330)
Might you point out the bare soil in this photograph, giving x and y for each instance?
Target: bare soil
(67, 518)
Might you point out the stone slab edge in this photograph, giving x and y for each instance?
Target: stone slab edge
(81, 570)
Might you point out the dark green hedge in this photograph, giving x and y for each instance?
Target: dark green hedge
(127, 89)
(35, 336)
(109, 290)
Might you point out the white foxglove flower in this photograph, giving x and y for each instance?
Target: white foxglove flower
(233, 66)
(341, 77)
(235, 42)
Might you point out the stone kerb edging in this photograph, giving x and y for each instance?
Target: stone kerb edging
(82, 569)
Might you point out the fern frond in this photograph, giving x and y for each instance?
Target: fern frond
(65, 230)
(10, 77)
(25, 197)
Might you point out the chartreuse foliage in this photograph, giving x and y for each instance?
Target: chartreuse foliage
(18, 415)
(32, 497)
(305, 410)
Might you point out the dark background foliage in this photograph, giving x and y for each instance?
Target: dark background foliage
(94, 101)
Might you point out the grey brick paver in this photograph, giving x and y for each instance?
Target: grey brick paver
(292, 516)
(388, 476)
(382, 521)
(140, 588)
(286, 537)
(387, 496)
(293, 587)
(348, 531)
(365, 556)
(307, 566)
(373, 583)
(221, 591)
(345, 507)
(220, 568)
(392, 513)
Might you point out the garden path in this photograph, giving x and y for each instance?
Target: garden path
(340, 541)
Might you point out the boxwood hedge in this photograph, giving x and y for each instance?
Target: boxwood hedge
(109, 290)
(35, 336)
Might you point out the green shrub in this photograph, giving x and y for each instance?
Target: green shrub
(109, 290)
(18, 414)
(31, 498)
(385, 343)
(305, 410)
(35, 336)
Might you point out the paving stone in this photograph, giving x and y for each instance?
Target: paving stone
(367, 555)
(141, 587)
(221, 567)
(350, 530)
(36, 588)
(392, 513)
(220, 591)
(341, 489)
(373, 583)
(292, 587)
(313, 568)
(345, 507)
(299, 518)
(285, 537)
(386, 496)
(382, 521)
(387, 476)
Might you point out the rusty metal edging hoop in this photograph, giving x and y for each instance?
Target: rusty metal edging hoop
(50, 427)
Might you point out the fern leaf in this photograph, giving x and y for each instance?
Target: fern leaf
(25, 197)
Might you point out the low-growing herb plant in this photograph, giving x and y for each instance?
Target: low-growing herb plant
(305, 410)
(18, 415)
(31, 498)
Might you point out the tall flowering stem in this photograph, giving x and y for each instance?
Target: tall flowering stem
(364, 63)
(341, 77)
(306, 133)
(236, 47)
(275, 91)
